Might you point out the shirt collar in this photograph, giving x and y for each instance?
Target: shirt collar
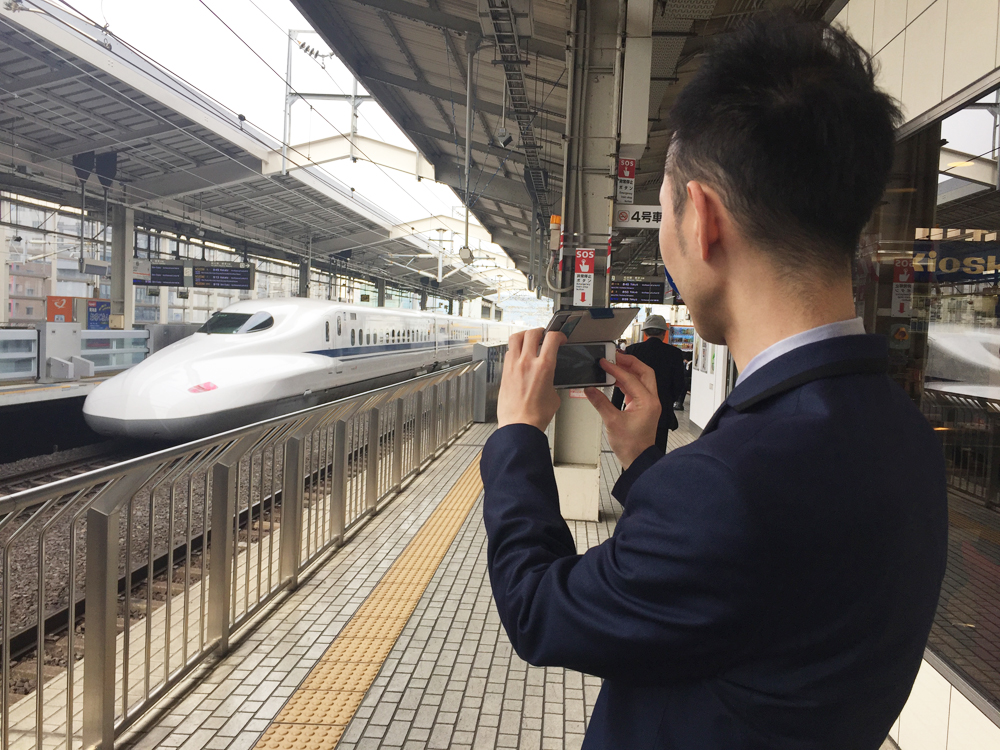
(852, 327)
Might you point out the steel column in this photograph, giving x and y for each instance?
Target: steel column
(418, 432)
(338, 488)
(102, 628)
(221, 560)
(397, 447)
(434, 420)
(291, 511)
(371, 485)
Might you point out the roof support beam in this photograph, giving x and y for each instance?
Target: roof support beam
(500, 189)
(97, 144)
(357, 147)
(967, 166)
(541, 121)
(450, 22)
(225, 172)
(12, 85)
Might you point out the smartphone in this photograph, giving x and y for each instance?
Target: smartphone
(578, 365)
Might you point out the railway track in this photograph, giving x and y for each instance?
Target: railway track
(79, 461)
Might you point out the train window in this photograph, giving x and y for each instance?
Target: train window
(224, 322)
(352, 337)
(328, 330)
(392, 335)
(368, 337)
(354, 316)
(338, 326)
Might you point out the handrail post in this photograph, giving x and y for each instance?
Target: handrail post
(291, 511)
(434, 420)
(397, 448)
(221, 556)
(338, 489)
(448, 433)
(418, 431)
(102, 628)
(470, 397)
(371, 485)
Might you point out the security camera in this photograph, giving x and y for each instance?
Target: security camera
(506, 141)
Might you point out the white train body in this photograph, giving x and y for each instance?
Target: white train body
(271, 357)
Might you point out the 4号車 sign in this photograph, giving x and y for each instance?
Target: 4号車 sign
(638, 217)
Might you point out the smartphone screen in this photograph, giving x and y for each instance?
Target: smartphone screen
(578, 364)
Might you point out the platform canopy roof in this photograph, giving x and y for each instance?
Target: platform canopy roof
(411, 56)
(185, 162)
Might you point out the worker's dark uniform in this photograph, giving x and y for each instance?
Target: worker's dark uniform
(667, 362)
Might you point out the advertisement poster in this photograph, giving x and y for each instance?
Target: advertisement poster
(98, 314)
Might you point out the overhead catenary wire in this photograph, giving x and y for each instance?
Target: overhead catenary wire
(167, 166)
(453, 124)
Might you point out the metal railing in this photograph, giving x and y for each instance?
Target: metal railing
(173, 552)
(111, 351)
(18, 353)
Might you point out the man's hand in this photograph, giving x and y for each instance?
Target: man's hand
(632, 431)
(527, 395)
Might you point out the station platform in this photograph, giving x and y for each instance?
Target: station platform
(395, 642)
(16, 394)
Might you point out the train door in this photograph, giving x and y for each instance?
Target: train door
(338, 343)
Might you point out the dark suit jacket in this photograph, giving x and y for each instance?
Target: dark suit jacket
(770, 585)
(667, 362)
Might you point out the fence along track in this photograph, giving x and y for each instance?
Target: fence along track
(330, 466)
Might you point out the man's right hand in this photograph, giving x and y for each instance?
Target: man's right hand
(632, 431)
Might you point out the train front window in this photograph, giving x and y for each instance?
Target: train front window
(228, 322)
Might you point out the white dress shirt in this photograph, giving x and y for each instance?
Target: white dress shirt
(851, 327)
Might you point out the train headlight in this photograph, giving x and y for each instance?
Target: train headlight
(203, 387)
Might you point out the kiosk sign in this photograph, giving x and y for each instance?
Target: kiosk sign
(583, 279)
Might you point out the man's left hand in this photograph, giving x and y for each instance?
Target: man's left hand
(527, 395)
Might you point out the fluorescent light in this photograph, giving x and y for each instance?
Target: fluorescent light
(959, 164)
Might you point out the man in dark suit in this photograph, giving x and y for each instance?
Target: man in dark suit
(771, 585)
(667, 363)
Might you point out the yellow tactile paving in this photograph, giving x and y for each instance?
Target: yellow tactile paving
(301, 736)
(317, 714)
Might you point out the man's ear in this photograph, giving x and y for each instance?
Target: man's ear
(706, 207)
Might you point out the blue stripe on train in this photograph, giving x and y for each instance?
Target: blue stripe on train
(355, 352)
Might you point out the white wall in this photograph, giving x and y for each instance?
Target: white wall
(708, 390)
(938, 716)
(932, 54)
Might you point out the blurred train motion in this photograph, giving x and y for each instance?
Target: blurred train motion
(259, 359)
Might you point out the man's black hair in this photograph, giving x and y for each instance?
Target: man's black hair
(783, 119)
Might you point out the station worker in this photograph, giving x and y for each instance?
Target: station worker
(772, 584)
(667, 362)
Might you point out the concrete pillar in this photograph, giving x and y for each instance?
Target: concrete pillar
(164, 300)
(423, 300)
(590, 148)
(305, 269)
(380, 288)
(461, 307)
(451, 307)
(122, 251)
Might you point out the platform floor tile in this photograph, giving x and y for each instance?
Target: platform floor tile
(451, 679)
(234, 701)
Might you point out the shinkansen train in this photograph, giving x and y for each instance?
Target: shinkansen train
(259, 359)
(964, 360)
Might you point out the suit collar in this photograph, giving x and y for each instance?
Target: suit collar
(844, 355)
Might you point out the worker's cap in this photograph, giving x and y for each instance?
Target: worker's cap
(654, 323)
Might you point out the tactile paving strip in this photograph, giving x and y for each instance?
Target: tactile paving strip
(317, 714)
